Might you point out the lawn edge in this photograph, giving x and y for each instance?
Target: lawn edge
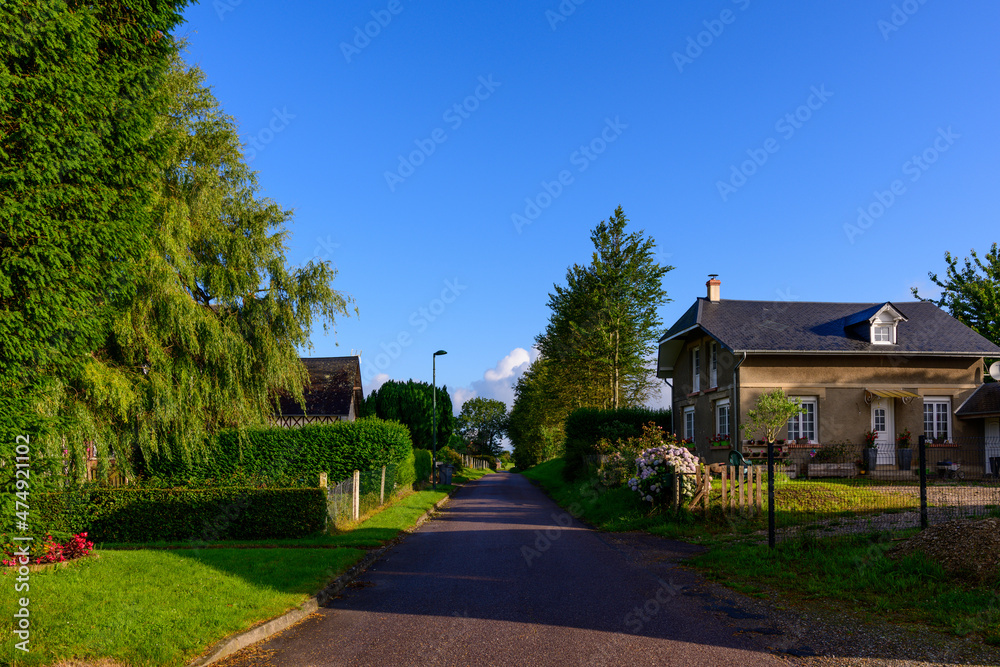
(226, 647)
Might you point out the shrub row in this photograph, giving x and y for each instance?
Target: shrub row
(586, 427)
(148, 515)
(290, 456)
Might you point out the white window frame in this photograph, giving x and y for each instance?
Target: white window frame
(805, 425)
(696, 369)
(689, 423)
(722, 425)
(936, 401)
(713, 365)
(878, 330)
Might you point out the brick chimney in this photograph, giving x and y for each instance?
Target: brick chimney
(713, 285)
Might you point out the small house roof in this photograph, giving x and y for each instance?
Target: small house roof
(333, 382)
(984, 402)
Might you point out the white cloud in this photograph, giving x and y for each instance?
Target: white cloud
(498, 382)
(375, 383)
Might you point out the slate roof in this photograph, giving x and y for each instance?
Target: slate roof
(333, 381)
(820, 327)
(984, 402)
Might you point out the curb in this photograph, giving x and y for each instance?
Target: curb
(234, 643)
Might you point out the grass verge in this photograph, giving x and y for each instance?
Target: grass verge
(855, 570)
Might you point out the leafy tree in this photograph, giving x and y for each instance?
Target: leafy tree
(483, 422)
(411, 403)
(535, 424)
(605, 321)
(214, 327)
(770, 413)
(79, 86)
(971, 293)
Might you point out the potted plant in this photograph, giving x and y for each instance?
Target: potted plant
(718, 440)
(870, 452)
(904, 453)
(801, 441)
(769, 415)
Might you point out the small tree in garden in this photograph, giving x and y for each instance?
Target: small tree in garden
(656, 464)
(770, 413)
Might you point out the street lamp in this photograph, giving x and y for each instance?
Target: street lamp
(434, 413)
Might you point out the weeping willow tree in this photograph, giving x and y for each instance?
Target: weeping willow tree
(213, 331)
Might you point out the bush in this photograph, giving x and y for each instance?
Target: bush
(149, 515)
(422, 465)
(449, 455)
(287, 457)
(586, 427)
(657, 464)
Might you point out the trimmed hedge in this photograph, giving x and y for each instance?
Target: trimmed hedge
(291, 456)
(422, 464)
(149, 515)
(586, 426)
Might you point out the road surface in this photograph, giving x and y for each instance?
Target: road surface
(504, 576)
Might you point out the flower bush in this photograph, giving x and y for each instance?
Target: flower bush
(52, 551)
(617, 469)
(656, 465)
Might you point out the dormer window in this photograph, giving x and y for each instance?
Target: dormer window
(884, 326)
(882, 333)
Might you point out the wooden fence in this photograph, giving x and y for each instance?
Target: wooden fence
(741, 488)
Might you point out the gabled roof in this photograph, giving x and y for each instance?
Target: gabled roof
(789, 327)
(333, 383)
(984, 402)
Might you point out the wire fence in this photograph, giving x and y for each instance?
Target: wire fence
(834, 489)
(350, 499)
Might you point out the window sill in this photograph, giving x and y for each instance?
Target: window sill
(715, 447)
(694, 393)
(946, 445)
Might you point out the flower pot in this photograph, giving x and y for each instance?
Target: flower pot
(905, 457)
(802, 441)
(868, 458)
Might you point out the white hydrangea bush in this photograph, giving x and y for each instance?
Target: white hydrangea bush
(655, 473)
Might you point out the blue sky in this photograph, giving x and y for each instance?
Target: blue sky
(451, 162)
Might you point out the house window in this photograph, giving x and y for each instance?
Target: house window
(713, 366)
(803, 425)
(882, 334)
(722, 417)
(696, 369)
(689, 424)
(937, 417)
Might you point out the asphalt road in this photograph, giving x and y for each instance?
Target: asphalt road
(504, 576)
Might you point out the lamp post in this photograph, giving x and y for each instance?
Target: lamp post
(434, 413)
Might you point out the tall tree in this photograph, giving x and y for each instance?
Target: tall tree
(213, 330)
(483, 421)
(971, 292)
(78, 164)
(411, 403)
(605, 320)
(535, 423)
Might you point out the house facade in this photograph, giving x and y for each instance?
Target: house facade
(853, 366)
(334, 393)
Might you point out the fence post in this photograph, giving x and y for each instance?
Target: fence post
(381, 498)
(770, 493)
(356, 493)
(676, 500)
(922, 457)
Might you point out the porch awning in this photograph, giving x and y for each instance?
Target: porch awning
(892, 393)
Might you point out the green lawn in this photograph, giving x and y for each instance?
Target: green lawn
(164, 607)
(164, 604)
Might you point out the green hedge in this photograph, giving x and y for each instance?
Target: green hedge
(586, 426)
(290, 456)
(422, 465)
(148, 515)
